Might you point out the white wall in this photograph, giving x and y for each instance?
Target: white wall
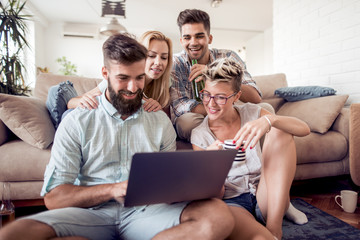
(318, 43)
(259, 53)
(86, 53)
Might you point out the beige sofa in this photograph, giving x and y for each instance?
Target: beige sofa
(26, 134)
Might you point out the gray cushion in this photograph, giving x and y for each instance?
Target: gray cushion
(292, 94)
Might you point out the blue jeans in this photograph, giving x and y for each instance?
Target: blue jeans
(57, 99)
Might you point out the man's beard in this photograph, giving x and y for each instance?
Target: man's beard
(125, 106)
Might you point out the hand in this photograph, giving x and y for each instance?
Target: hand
(222, 192)
(196, 71)
(88, 100)
(118, 191)
(251, 132)
(151, 105)
(217, 145)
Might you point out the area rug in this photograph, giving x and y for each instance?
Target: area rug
(320, 226)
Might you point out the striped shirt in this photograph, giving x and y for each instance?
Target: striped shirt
(181, 90)
(96, 146)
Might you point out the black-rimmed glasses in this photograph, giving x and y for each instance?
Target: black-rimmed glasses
(218, 99)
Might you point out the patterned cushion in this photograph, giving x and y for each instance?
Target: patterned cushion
(292, 94)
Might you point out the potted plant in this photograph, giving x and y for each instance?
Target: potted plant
(67, 68)
(13, 43)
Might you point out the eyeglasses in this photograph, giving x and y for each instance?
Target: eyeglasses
(220, 100)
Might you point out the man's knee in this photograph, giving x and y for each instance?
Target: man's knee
(213, 214)
(186, 123)
(27, 229)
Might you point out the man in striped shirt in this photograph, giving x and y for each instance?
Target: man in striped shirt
(195, 37)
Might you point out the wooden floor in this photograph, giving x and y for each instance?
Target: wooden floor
(318, 192)
(321, 194)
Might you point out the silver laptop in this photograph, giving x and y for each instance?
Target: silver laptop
(168, 177)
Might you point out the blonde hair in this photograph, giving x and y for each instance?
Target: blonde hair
(159, 89)
(226, 70)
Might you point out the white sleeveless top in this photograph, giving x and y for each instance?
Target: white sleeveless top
(242, 177)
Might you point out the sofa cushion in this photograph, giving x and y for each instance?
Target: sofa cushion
(318, 113)
(4, 133)
(45, 80)
(292, 94)
(27, 118)
(20, 161)
(269, 83)
(319, 148)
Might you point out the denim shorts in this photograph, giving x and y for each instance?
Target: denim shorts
(249, 202)
(112, 221)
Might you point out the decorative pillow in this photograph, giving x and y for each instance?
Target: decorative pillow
(27, 118)
(292, 94)
(318, 113)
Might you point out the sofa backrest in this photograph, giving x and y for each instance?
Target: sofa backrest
(45, 80)
(268, 84)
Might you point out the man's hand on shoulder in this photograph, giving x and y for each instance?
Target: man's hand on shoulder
(151, 105)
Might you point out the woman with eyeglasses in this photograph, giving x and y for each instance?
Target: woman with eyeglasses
(257, 189)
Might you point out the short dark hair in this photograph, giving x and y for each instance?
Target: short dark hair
(124, 49)
(194, 16)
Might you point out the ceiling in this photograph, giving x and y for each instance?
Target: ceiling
(251, 16)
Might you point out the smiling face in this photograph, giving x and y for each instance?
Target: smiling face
(125, 85)
(157, 60)
(195, 40)
(216, 111)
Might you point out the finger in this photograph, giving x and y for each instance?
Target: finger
(250, 139)
(242, 138)
(89, 102)
(157, 108)
(151, 108)
(255, 141)
(85, 104)
(200, 78)
(81, 105)
(195, 72)
(96, 94)
(194, 75)
(147, 104)
(238, 135)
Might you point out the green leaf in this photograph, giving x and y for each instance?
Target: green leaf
(13, 42)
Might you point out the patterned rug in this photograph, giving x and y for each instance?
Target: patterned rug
(320, 226)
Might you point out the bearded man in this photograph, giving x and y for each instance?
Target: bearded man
(86, 179)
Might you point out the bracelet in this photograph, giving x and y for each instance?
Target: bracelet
(268, 122)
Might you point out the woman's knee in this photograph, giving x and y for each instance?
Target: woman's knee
(277, 138)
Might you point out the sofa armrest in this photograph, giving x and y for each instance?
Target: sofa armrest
(354, 143)
(341, 123)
